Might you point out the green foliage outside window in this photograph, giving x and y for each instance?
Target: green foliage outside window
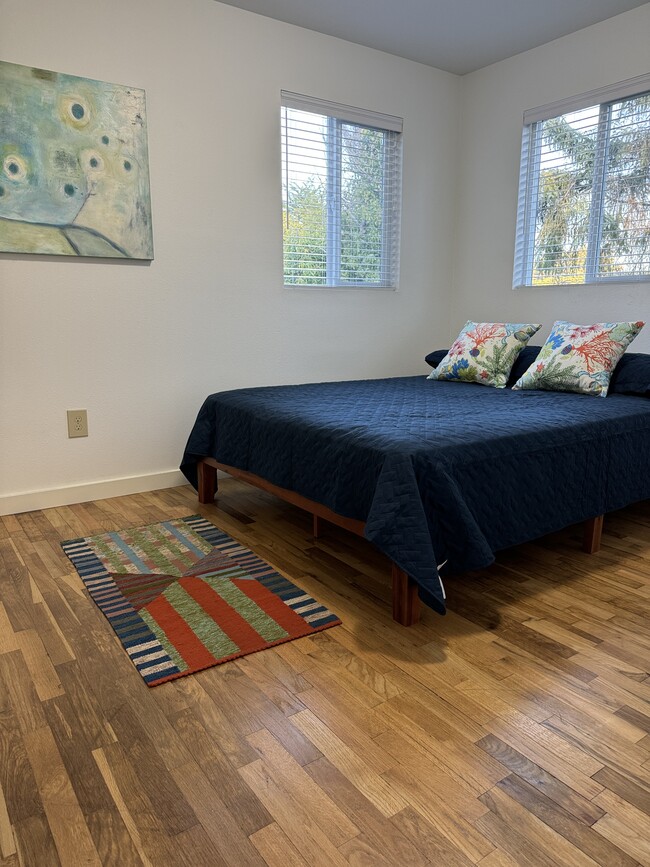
(593, 197)
(358, 205)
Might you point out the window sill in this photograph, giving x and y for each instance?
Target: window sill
(347, 287)
(603, 281)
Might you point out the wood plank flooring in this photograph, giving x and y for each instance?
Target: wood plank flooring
(513, 731)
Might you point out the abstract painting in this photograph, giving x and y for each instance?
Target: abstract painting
(74, 166)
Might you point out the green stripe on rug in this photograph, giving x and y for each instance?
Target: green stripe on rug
(261, 622)
(204, 627)
(146, 542)
(111, 552)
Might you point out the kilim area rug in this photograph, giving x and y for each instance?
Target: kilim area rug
(183, 596)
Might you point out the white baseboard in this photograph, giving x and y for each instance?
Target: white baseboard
(102, 490)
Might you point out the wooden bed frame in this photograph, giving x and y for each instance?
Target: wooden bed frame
(406, 602)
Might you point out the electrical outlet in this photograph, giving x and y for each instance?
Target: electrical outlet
(77, 423)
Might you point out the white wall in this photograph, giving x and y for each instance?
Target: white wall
(140, 346)
(493, 102)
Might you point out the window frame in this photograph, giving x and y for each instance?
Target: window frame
(339, 115)
(529, 182)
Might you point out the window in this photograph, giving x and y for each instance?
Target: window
(341, 194)
(584, 191)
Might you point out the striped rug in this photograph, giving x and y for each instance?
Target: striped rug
(183, 596)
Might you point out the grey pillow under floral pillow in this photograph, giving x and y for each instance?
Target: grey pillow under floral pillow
(631, 375)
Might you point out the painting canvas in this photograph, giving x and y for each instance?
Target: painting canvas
(74, 167)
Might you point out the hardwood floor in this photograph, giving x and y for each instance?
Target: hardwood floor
(514, 731)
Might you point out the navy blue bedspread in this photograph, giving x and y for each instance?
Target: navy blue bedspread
(439, 471)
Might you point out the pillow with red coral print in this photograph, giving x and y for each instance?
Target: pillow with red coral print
(484, 352)
(579, 358)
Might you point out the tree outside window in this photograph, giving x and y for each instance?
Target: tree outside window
(584, 212)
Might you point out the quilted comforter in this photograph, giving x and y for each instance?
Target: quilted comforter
(441, 472)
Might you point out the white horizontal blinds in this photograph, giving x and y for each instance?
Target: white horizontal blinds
(563, 178)
(341, 181)
(370, 205)
(526, 209)
(304, 197)
(624, 247)
(584, 200)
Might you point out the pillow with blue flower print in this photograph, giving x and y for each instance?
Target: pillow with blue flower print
(484, 352)
(529, 353)
(579, 358)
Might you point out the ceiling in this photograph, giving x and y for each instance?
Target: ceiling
(456, 35)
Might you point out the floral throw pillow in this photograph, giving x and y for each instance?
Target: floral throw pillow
(484, 352)
(579, 358)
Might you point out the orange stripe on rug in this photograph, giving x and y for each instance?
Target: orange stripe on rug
(178, 633)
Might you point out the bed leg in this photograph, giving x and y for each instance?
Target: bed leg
(316, 526)
(592, 533)
(207, 480)
(406, 602)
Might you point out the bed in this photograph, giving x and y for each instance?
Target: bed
(438, 475)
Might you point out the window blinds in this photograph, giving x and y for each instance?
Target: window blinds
(341, 194)
(584, 203)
